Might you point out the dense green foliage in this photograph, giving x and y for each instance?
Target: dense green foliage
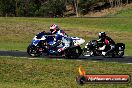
(32, 7)
(48, 8)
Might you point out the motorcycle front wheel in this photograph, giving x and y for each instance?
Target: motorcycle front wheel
(73, 53)
(121, 53)
(33, 51)
(87, 52)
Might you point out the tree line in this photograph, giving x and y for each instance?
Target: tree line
(55, 8)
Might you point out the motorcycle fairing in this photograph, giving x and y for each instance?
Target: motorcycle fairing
(35, 42)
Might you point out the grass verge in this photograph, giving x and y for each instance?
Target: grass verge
(54, 73)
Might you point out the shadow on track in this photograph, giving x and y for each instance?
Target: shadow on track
(125, 59)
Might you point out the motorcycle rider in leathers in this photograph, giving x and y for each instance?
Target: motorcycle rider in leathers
(108, 43)
(60, 36)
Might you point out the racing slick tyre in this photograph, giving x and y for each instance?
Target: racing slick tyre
(73, 52)
(33, 51)
(87, 52)
(120, 53)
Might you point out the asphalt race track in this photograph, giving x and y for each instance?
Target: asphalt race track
(125, 59)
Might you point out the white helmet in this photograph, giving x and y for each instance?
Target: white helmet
(54, 28)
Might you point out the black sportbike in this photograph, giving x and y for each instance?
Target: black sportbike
(92, 49)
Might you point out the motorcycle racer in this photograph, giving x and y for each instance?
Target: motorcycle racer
(60, 36)
(108, 43)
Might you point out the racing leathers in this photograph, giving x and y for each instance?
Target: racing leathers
(108, 45)
(61, 38)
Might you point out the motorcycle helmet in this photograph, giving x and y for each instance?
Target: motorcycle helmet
(102, 35)
(54, 28)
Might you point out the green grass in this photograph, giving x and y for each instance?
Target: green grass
(16, 33)
(122, 13)
(54, 73)
(13, 46)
